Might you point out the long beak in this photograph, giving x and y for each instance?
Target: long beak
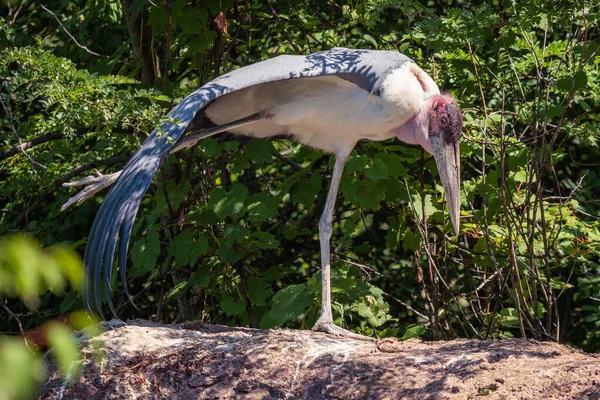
(447, 158)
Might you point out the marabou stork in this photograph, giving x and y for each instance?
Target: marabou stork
(328, 100)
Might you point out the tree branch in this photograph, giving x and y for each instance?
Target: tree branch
(71, 36)
(3, 304)
(98, 182)
(29, 144)
(94, 164)
(140, 36)
(169, 4)
(48, 137)
(19, 146)
(283, 28)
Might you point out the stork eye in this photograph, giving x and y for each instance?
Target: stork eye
(445, 121)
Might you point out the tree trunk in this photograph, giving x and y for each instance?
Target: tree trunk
(140, 38)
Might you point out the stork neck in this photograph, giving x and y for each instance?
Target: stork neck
(416, 129)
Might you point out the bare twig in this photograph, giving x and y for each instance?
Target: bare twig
(286, 160)
(488, 280)
(96, 183)
(283, 28)
(169, 4)
(20, 142)
(71, 36)
(14, 14)
(406, 305)
(12, 314)
(435, 269)
(29, 144)
(364, 268)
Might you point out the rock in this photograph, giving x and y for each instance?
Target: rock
(145, 360)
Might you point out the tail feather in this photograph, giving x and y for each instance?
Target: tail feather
(115, 218)
(126, 228)
(114, 221)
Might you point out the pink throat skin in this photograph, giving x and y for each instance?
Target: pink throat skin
(432, 115)
(416, 129)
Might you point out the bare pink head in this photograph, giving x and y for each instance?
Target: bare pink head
(445, 118)
(437, 127)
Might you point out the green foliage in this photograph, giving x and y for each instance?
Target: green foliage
(28, 271)
(65, 349)
(20, 371)
(289, 304)
(229, 232)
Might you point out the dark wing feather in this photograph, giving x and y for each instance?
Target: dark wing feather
(365, 68)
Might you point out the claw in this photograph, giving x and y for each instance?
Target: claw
(333, 329)
(94, 185)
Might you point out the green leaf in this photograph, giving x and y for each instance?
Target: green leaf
(201, 276)
(377, 170)
(187, 247)
(157, 19)
(65, 348)
(231, 307)
(370, 193)
(258, 291)
(413, 331)
(261, 207)
(144, 252)
(228, 255)
(305, 191)
(177, 192)
(203, 217)
(430, 209)
(263, 240)
(375, 314)
(228, 204)
(370, 39)
(574, 83)
(70, 302)
(236, 233)
(260, 150)
(176, 290)
(520, 176)
(211, 147)
(394, 164)
(555, 110)
(411, 241)
(356, 163)
(289, 304)
(20, 371)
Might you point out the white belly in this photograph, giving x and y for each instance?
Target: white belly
(327, 113)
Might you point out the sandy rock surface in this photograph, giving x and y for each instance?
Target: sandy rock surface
(145, 360)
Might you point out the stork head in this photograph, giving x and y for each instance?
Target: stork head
(445, 125)
(437, 127)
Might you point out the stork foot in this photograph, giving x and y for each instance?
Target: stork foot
(333, 329)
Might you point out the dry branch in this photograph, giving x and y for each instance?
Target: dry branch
(97, 183)
(19, 146)
(29, 144)
(69, 34)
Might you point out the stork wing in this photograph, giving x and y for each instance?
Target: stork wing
(114, 221)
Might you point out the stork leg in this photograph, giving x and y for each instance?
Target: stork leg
(325, 321)
(192, 139)
(94, 184)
